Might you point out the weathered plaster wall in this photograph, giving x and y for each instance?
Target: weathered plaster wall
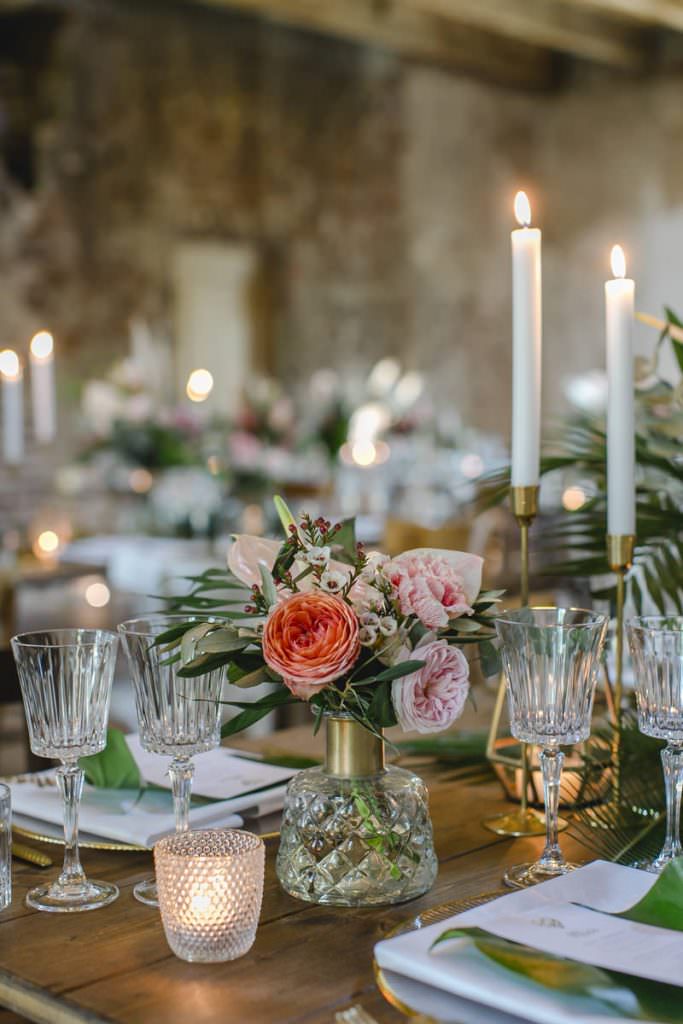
(379, 194)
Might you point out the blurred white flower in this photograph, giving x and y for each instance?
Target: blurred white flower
(388, 625)
(101, 406)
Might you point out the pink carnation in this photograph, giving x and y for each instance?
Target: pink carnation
(432, 698)
(435, 585)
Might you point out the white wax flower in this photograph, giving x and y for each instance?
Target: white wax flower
(319, 557)
(368, 636)
(333, 582)
(388, 625)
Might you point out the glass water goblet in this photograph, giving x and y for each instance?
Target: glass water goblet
(177, 716)
(550, 657)
(656, 644)
(66, 678)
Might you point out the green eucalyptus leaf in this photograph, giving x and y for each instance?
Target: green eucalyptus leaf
(404, 668)
(188, 644)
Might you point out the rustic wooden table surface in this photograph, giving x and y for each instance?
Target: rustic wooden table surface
(308, 962)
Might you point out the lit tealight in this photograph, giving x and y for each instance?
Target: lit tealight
(42, 345)
(364, 453)
(140, 480)
(199, 385)
(10, 367)
(97, 595)
(573, 498)
(46, 544)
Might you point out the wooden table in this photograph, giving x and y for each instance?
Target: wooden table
(308, 962)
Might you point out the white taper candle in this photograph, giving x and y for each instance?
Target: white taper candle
(43, 398)
(621, 490)
(526, 348)
(12, 407)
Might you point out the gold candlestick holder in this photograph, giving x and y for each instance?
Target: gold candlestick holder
(525, 821)
(620, 547)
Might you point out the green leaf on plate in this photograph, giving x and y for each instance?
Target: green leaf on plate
(114, 767)
(662, 906)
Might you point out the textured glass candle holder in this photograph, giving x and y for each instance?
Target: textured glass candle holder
(210, 886)
(5, 846)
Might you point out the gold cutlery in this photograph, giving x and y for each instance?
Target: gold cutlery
(31, 856)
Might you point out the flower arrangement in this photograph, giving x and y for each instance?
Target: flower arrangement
(348, 631)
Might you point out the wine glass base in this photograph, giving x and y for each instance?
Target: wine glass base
(55, 899)
(522, 876)
(655, 867)
(146, 892)
(519, 823)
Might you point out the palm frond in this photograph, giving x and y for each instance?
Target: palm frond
(623, 816)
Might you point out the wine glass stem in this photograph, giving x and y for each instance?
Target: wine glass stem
(552, 760)
(70, 781)
(181, 772)
(672, 763)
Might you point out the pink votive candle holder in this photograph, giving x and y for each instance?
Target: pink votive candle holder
(210, 885)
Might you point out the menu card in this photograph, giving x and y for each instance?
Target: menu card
(569, 917)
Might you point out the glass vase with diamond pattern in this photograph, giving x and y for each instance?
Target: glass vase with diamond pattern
(356, 833)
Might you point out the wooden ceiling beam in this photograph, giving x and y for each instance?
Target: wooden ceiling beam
(413, 33)
(656, 13)
(562, 25)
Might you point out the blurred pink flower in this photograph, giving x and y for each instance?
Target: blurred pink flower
(432, 698)
(435, 585)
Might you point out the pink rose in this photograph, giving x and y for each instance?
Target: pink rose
(432, 698)
(311, 640)
(435, 585)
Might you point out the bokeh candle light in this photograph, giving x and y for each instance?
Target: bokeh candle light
(43, 397)
(12, 407)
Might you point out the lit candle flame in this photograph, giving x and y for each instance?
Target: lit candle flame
(618, 261)
(42, 345)
(9, 364)
(522, 209)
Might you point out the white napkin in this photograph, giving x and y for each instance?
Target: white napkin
(544, 917)
(122, 815)
(219, 774)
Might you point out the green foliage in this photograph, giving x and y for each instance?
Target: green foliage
(254, 711)
(114, 767)
(575, 544)
(625, 824)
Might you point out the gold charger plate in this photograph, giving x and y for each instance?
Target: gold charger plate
(431, 916)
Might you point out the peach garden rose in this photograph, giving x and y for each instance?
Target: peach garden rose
(311, 639)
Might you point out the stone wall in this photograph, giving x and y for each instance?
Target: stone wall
(379, 194)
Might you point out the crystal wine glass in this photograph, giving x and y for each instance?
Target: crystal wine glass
(550, 657)
(66, 677)
(178, 717)
(656, 644)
